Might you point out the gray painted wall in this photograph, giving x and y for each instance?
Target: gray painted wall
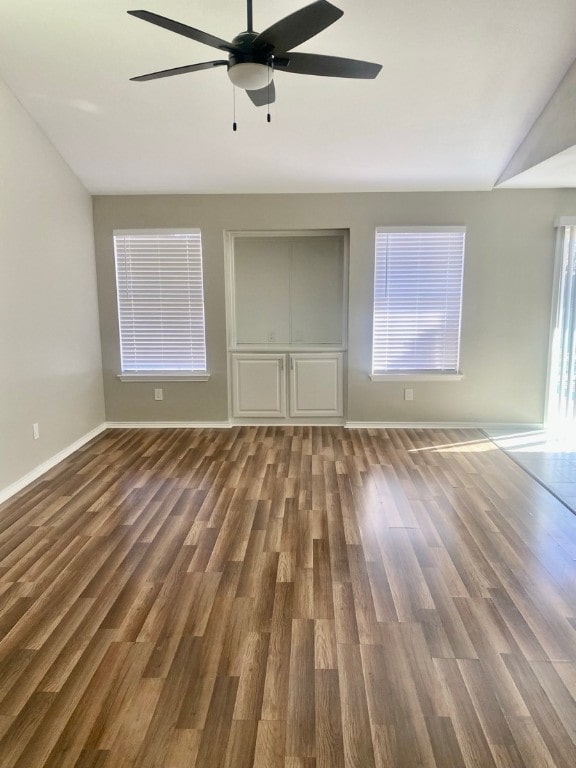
(50, 362)
(506, 307)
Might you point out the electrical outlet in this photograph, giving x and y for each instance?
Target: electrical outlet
(408, 394)
(35, 431)
(158, 394)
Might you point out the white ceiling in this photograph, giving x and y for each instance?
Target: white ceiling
(461, 85)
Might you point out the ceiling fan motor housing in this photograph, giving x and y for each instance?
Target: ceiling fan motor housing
(249, 66)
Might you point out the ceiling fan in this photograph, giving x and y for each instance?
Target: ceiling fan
(254, 56)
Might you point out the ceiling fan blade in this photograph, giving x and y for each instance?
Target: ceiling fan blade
(299, 26)
(327, 66)
(179, 70)
(263, 96)
(183, 29)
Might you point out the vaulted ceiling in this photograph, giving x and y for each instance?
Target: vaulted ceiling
(463, 84)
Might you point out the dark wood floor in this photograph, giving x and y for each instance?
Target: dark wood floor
(287, 597)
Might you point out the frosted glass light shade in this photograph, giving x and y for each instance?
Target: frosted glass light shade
(250, 76)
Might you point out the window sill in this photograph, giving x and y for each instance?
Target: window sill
(164, 376)
(416, 376)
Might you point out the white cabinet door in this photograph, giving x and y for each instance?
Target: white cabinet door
(258, 385)
(316, 384)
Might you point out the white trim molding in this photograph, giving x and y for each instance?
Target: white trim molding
(324, 422)
(432, 376)
(168, 424)
(41, 469)
(151, 376)
(482, 425)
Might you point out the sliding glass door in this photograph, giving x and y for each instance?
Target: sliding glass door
(562, 376)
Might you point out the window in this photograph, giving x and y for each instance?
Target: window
(160, 303)
(417, 301)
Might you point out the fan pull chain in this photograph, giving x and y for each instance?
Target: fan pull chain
(234, 124)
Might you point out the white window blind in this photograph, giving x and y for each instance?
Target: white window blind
(160, 301)
(417, 300)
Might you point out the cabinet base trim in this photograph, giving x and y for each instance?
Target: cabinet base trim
(287, 422)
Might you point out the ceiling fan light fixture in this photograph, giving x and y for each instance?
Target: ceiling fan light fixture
(250, 75)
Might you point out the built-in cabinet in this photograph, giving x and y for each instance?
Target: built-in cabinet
(293, 384)
(287, 323)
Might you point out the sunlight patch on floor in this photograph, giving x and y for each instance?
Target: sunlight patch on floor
(468, 446)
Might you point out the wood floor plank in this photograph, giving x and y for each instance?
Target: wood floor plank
(328, 718)
(63, 703)
(216, 733)
(300, 717)
(490, 714)
(19, 686)
(492, 640)
(252, 676)
(471, 737)
(356, 732)
(287, 597)
(135, 722)
(241, 744)
(92, 705)
(155, 740)
(542, 710)
(270, 741)
(444, 742)
(275, 696)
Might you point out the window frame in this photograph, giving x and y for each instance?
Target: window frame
(415, 374)
(160, 375)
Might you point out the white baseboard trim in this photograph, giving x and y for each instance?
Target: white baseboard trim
(168, 424)
(482, 425)
(514, 428)
(41, 469)
(228, 424)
